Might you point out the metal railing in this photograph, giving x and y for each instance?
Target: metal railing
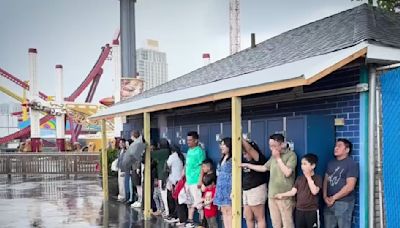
(49, 163)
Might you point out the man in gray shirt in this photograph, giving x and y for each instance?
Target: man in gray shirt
(338, 187)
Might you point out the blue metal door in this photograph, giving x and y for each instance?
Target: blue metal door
(213, 145)
(296, 133)
(258, 135)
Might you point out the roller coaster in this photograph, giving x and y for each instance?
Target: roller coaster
(75, 113)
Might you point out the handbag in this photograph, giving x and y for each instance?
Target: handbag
(114, 165)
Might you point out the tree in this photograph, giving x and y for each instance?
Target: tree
(388, 4)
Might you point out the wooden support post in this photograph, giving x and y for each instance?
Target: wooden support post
(104, 167)
(147, 167)
(236, 160)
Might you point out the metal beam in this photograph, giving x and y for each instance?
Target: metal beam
(147, 167)
(363, 181)
(104, 166)
(236, 160)
(371, 144)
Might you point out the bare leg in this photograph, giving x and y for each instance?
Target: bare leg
(248, 214)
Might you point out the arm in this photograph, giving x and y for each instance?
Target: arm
(313, 187)
(285, 170)
(347, 189)
(201, 158)
(287, 194)
(200, 182)
(257, 168)
(325, 191)
(183, 171)
(249, 149)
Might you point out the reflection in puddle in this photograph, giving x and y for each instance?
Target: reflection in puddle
(61, 201)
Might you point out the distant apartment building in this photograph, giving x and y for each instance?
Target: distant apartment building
(152, 65)
(8, 122)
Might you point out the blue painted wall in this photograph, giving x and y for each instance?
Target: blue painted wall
(339, 106)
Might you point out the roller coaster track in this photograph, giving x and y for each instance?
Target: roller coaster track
(93, 77)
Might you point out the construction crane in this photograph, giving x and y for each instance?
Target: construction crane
(234, 26)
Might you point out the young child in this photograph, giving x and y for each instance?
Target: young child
(208, 173)
(210, 210)
(158, 199)
(307, 188)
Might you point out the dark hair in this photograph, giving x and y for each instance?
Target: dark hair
(209, 178)
(209, 162)
(130, 141)
(177, 149)
(347, 143)
(311, 158)
(135, 133)
(122, 140)
(228, 143)
(255, 146)
(193, 134)
(154, 143)
(163, 144)
(277, 137)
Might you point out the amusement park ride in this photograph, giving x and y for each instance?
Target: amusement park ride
(43, 109)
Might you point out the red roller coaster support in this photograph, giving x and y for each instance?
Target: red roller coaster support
(19, 82)
(96, 70)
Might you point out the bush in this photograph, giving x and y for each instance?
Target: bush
(112, 154)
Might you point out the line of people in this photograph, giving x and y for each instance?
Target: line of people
(182, 185)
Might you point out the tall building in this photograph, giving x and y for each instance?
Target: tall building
(8, 122)
(152, 65)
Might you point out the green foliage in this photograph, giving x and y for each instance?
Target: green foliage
(387, 4)
(112, 154)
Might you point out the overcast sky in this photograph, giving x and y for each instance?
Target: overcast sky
(71, 33)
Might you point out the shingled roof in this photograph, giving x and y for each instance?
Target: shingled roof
(333, 33)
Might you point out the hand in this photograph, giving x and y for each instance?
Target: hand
(278, 196)
(307, 173)
(244, 165)
(199, 185)
(203, 188)
(329, 201)
(276, 153)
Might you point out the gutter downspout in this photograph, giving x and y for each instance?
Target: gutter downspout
(363, 184)
(371, 143)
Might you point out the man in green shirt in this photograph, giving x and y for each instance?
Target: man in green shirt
(282, 165)
(194, 175)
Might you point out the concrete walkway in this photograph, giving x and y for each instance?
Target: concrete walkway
(61, 201)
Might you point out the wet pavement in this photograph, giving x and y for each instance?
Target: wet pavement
(61, 201)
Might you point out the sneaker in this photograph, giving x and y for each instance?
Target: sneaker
(122, 200)
(171, 220)
(189, 225)
(180, 224)
(156, 213)
(136, 204)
